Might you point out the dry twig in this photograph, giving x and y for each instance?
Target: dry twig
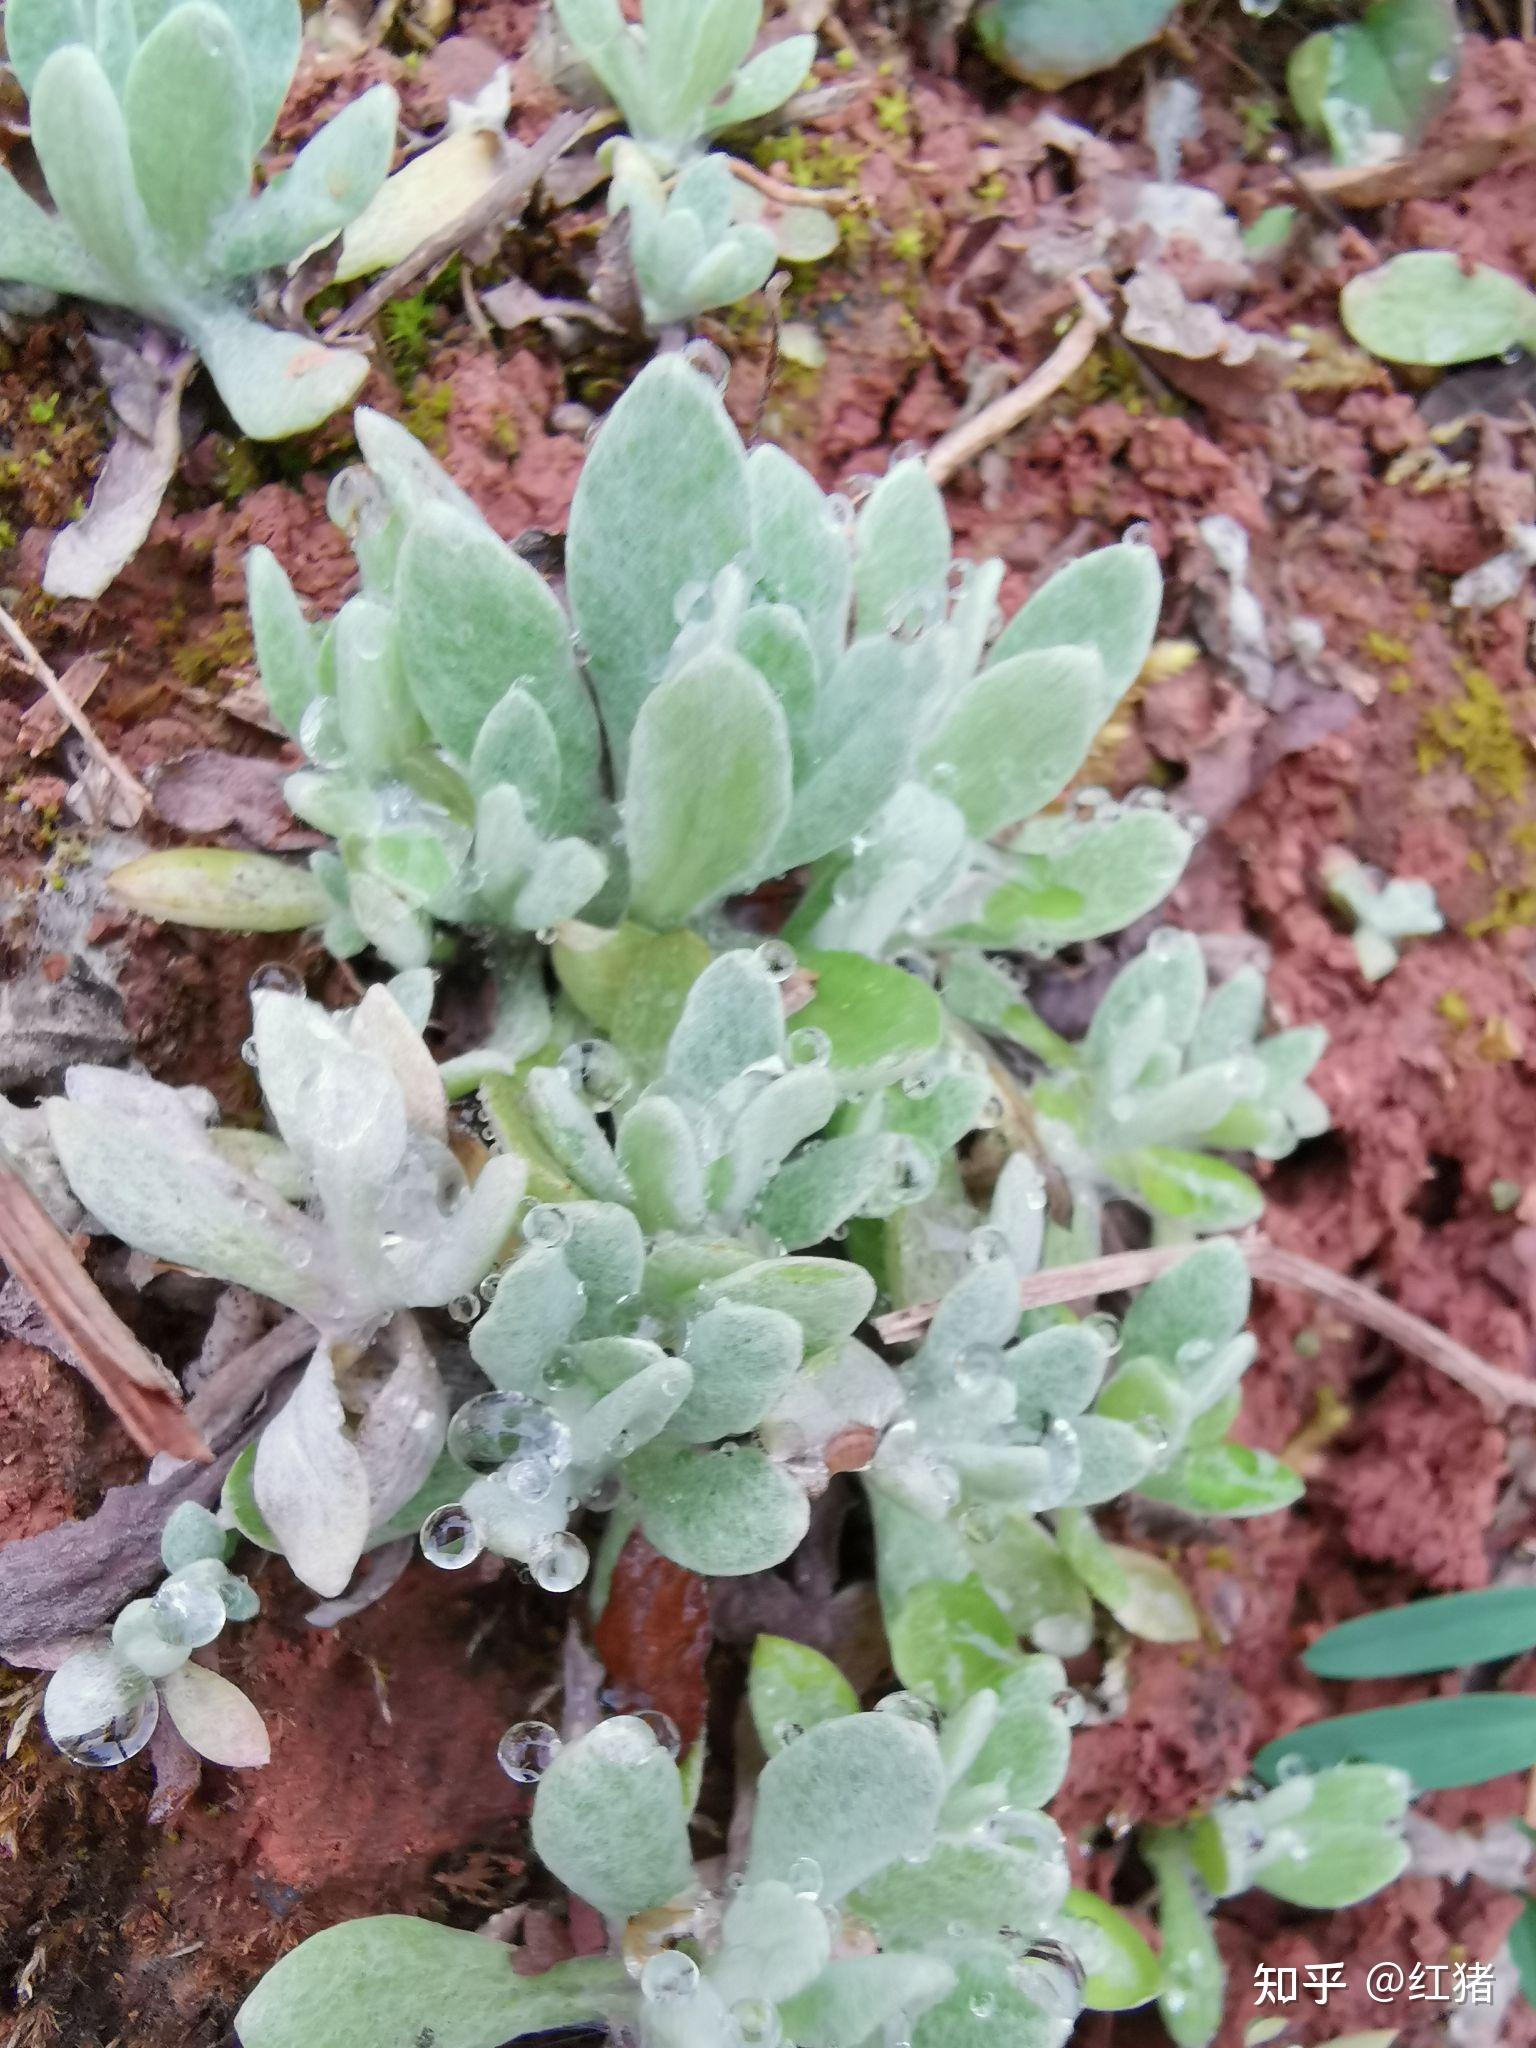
(792, 195)
(1278, 1268)
(134, 792)
(975, 436)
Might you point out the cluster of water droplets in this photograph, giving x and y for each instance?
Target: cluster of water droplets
(520, 1445)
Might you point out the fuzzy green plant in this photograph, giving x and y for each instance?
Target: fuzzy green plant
(901, 1880)
(690, 247)
(147, 116)
(752, 679)
(1169, 1072)
(1385, 910)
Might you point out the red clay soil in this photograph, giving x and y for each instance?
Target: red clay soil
(1415, 753)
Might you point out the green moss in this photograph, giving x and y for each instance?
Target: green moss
(1476, 731)
(427, 413)
(893, 113)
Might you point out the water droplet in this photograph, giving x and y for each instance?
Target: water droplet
(990, 1115)
(808, 1047)
(786, 1732)
(449, 1538)
(1071, 1706)
(859, 486)
(189, 1613)
(708, 360)
(248, 1052)
(1052, 1977)
(527, 1479)
(914, 1173)
(493, 1428)
(546, 1224)
(464, 1307)
(843, 511)
(275, 980)
(559, 1563)
(777, 958)
(757, 2023)
(320, 733)
(131, 1708)
(1260, 9)
(488, 1287)
(599, 1074)
(983, 2005)
(1106, 1328)
(1193, 1354)
(985, 1247)
(920, 1085)
(604, 1493)
(1137, 535)
(1292, 1767)
(804, 1877)
(1512, 355)
(669, 1977)
(527, 1750)
(1153, 1428)
(1026, 1829)
(922, 965)
(910, 1706)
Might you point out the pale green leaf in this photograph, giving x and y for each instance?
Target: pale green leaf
(858, 1793)
(791, 1687)
(721, 1512)
(1108, 600)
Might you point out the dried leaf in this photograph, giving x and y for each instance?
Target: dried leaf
(208, 792)
(87, 556)
(43, 724)
(654, 1635)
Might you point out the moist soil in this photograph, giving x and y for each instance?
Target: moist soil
(131, 1917)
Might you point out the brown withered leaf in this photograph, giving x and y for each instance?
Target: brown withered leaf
(206, 792)
(43, 724)
(655, 1634)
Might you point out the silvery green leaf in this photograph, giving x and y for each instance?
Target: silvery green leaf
(792, 1687)
(93, 189)
(635, 1412)
(269, 32)
(967, 1888)
(1058, 1371)
(367, 1982)
(274, 383)
(677, 1269)
(763, 83)
(661, 504)
(508, 1524)
(692, 50)
(34, 29)
(285, 641)
(857, 1998)
(483, 622)
(720, 1512)
(902, 548)
(381, 1027)
(860, 750)
(857, 1793)
(732, 1019)
(982, 1308)
(40, 250)
(606, 1252)
(659, 1156)
(402, 1429)
(506, 846)
(1225, 1479)
(1108, 600)
(1231, 1019)
(1426, 306)
(775, 640)
(192, 1211)
(615, 53)
(536, 1310)
(775, 1942)
(1116, 1456)
(328, 184)
(1024, 1758)
(828, 1298)
(1204, 1297)
(565, 877)
(379, 723)
(310, 1482)
(777, 1119)
(1018, 736)
(742, 1359)
(971, 615)
(799, 551)
(1194, 1191)
(190, 128)
(573, 1134)
(215, 1718)
(1170, 970)
(739, 264)
(911, 849)
(1194, 1978)
(1072, 883)
(816, 1193)
(1019, 1210)
(1034, 1585)
(1145, 1595)
(708, 790)
(410, 477)
(963, 1736)
(1289, 1056)
(608, 1819)
(949, 1640)
(191, 1533)
(517, 744)
(986, 1976)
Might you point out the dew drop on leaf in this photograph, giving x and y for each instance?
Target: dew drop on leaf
(546, 1224)
(527, 1750)
(464, 1307)
(777, 958)
(559, 1563)
(664, 1728)
(910, 1706)
(669, 1977)
(808, 1047)
(449, 1538)
(275, 980)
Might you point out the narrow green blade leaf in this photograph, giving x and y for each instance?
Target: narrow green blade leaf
(1467, 1740)
(1429, 1635)
(221, 890)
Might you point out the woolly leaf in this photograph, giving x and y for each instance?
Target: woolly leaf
(858, 1793)
(792, 1687)
(721, 1512)
(1108, 600)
